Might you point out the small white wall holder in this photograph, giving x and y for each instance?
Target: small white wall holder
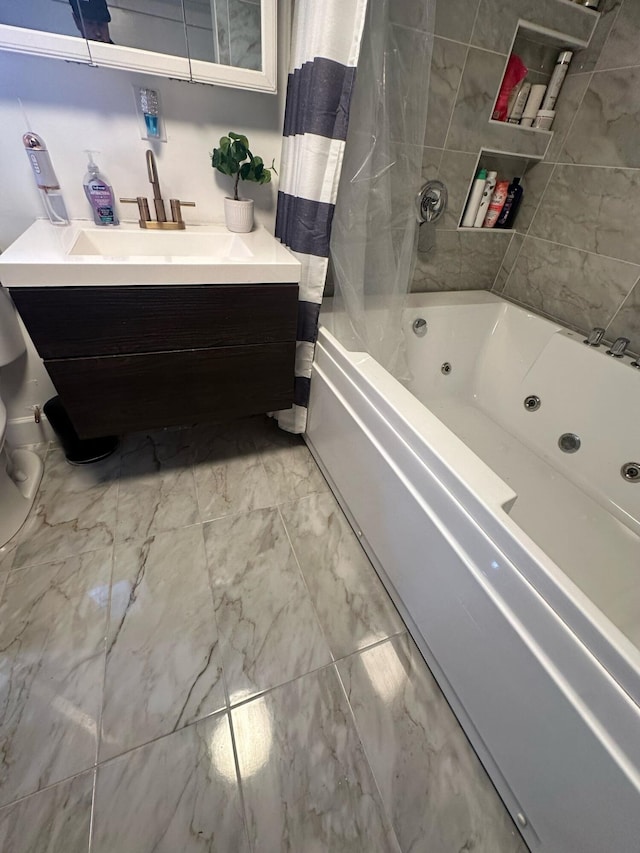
(149, 110)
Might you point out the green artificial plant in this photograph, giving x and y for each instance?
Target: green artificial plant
(233, 157)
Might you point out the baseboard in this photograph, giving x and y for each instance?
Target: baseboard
(24, 431)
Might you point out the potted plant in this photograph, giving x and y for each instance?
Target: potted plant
(233, 158)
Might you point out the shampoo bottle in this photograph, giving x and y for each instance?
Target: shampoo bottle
(511, 205)
(489, 187)
(475, 197)
(557, 79)
(497, 203)
(99, 194)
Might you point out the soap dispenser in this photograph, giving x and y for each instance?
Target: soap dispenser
(99, 194)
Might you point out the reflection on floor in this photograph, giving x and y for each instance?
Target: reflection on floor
(196, 655)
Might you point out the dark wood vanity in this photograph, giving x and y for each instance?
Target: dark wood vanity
(127, 358)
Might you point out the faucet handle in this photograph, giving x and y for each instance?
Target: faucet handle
(176, 208)
(595, 337)
(619, 347)
(143, 208)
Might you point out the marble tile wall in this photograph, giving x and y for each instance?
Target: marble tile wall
(577, 258)
(574, 256)
(472, 40)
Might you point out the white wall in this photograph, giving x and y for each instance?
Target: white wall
(74, 107)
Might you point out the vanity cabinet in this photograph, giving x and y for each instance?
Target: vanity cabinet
(127, 358)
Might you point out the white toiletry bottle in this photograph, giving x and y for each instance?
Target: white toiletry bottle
(45, 178)
(536, 96)
(99, 194)
(557, 79)
(489, 187)
(475, 197)
(517, 109)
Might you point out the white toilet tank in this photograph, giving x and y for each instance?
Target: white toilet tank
(12, 343)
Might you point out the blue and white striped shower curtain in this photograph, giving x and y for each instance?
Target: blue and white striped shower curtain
(325, 47)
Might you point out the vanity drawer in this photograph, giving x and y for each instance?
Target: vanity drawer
(119, 394)
(66, 322)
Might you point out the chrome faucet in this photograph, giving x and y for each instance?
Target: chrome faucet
(160, 222)
(618, 348)
(595, 337)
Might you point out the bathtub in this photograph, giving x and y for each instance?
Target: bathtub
(515, 564)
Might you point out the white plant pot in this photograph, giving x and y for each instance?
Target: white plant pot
(239, 214)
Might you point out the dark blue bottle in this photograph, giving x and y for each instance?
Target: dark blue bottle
(511, 205)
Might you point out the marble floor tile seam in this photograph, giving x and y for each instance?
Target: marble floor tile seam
(236, 761)
(355, 651)
(129, 750)
(363, 746)
(195, 464)
(232, 706)
(132, 539)
(15, 569)
(304, 581)
(104, 677)
(275, 505)
(260, 694)
(212, 519)
(65, 781)
(384, 594)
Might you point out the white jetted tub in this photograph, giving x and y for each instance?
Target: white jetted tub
(515, 563)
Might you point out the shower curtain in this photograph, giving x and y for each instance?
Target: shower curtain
(365, 136)
(375, 226)
(325, 46)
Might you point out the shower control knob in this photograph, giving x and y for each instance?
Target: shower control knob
(432, 201)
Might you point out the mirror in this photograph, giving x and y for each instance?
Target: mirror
(230, 42)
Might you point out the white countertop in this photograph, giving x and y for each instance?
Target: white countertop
(202, 254)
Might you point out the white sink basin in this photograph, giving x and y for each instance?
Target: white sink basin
(114, 242)
(84, 254)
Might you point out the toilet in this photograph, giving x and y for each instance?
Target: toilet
(20, 470)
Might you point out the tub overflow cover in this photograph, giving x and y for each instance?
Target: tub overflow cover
(420, 327)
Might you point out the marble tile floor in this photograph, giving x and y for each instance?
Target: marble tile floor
(196, 655)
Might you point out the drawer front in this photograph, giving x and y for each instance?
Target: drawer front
(68, 322)
(119, 394)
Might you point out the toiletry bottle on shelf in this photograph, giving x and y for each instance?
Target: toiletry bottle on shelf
(516, 109)
(511, 205)
(516, 72)
(536, 96)
(544, 119)
(489, 187)
(475, 197)
(557, 79)
(497, 203)
(99, 194)
(46, 178)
